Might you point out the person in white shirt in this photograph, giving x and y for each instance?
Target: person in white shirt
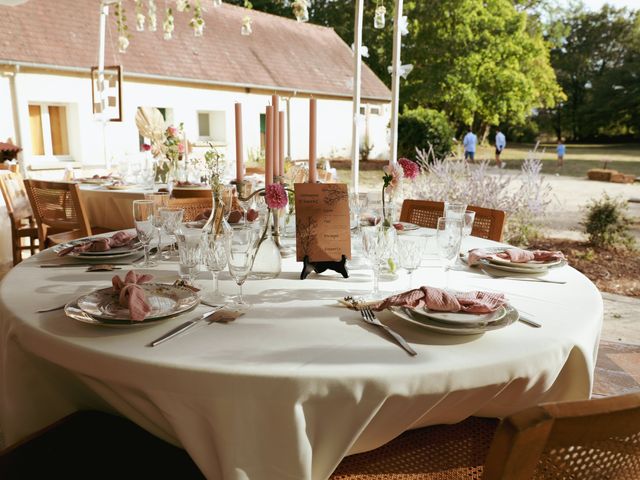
(469, 142)
(501, 143)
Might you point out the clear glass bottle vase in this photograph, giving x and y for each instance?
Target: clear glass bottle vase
(267, 263)
(216, 222)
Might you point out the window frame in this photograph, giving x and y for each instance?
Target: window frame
(210, 137)
(47, 139)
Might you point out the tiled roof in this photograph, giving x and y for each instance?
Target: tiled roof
(281, 53)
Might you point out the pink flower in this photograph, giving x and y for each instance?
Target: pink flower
(146, 147)
(392, 177)
(172, 131)
(410, 169)
(276, 196)
(181, 148)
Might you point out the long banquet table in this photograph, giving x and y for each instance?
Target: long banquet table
(289, 389)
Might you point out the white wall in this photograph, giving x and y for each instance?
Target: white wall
(86, 135)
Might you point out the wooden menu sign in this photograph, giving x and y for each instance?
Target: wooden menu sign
(323, 230)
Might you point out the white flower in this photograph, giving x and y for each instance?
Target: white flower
(123, 43)
(182, 5)
(140, 19)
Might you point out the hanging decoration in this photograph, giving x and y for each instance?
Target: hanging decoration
(197, 22)
(182, 5)
(378, 19)
(123, 30)
(217, 3)
(151, 15)
(246, 26)
(301, 10)
(140, 17)
(364, 50)
(168, 24)
(404, 25)
(403, 70)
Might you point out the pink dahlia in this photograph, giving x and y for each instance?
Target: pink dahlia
(410, 169)
(276, 196)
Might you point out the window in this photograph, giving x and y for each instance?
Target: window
(49, 134)
(363, 110)
(212, 126)
(374, 110)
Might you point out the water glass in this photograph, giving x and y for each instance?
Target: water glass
(160, 200)
(454, 210)
(241, 244)
(467, 226)
(378, 243)
(189, 251)
(170, 219)
(410, 251)
(214, 258)
(143, 220)
(448, 239)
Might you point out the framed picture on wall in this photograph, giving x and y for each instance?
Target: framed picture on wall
(106, 92)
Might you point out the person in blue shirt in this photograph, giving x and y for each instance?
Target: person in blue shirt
(501, 143)
(469, 142)
(560, 151)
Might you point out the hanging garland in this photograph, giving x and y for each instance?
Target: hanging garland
(168, 25)
(140, 18)
(378, 19)
(123, 30)
(301, 10)
(197, 22)
(153, 18)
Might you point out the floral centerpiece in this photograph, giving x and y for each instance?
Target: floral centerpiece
(393, 175)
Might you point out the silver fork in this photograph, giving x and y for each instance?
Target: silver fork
(369, 317)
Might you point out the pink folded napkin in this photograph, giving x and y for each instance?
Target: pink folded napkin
(515, 255)
(132, 296)
(439, 300)
(118, 239)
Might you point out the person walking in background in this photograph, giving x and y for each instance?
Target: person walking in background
(469, 142)
(560, 151)
(501, 143)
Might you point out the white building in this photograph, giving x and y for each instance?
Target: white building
(48, 48)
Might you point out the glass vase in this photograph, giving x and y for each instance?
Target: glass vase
(267, 263)
(216, 224)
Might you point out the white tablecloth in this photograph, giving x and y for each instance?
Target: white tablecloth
(296, 384)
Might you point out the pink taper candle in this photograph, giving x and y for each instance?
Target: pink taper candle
(275, 101)
(239, 150)
(313, 174)
(281, 141)
(268, 171)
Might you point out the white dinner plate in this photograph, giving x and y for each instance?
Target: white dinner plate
(165, 301)
(113, 254)
(533, 265)
(128, 250)
(408, 314)
(407, 227)
(463, 318)
(513, 268)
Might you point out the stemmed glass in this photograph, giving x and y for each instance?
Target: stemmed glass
(467, 226)
(214, 255)
(448, 238)
(378, 243)
(189, 251)
(454, 210)
(170, 218)
(241, 244)
(160, 200)
(244, 190)
(410, 250)
(143, 219)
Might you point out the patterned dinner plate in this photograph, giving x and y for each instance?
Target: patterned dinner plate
(511, 316)
(165, 301)
(463, 318)
(533, 265)
(112, 254)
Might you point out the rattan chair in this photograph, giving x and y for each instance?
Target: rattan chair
(192, 206)
(23, 224)
(590, 439)
(488, 223)
(59, 212)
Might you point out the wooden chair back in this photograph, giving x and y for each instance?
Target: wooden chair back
(488, 223)
(191, 193)
(192, 206)
(15, 196)
(11, 167)
(57, 208)
(598, 438)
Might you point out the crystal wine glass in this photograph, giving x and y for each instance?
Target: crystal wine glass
(160, 200)
(467, 226)
(189, 251)
(143, 219)
(454, 210)
(170, 218)
(410, 250)
(378, 242)
(241, 244)
(448, 238)
(214, 255)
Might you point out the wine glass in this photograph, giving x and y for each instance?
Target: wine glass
(160, 200)
(410, 250)
(189, 251)
(241, 244)
(448, 238)
(143, 219)
(467, 226)
(228, 194)
(378, 242)
(245, 189)
(171, 219)
(214, 255)
(454, 210)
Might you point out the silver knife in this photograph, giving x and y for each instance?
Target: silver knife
(181, 328)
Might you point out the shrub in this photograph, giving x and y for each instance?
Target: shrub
(420, 128)
(606, 223)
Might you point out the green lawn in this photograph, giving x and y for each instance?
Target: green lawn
(579, 158)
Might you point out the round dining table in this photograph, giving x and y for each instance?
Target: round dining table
(299, 381)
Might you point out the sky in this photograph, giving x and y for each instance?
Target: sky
(596, 4)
